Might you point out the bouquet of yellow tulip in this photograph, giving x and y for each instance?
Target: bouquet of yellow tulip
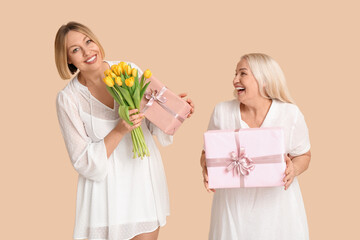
(123, 84)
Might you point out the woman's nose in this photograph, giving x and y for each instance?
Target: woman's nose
(86, 51)
(236, 79)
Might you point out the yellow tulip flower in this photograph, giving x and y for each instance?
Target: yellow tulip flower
(113, 75)
(130, 81)
(128, 70)
(121, 64)
(147, 74)
(124, 68)
(107, 72)
(108, 81)
(134, 72)
(116, 69)
(118, 81)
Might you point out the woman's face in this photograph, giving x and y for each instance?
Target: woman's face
(245, 84)
(82, 52)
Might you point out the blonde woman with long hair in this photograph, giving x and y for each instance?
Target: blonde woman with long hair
(274, 213)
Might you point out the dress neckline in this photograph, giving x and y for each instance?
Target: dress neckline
(243, 124)
(83, 87)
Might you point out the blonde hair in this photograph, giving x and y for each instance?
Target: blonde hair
(270, 77)
(61, 57)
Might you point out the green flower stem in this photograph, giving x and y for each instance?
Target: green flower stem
(137, 143)
(145, 148)
(134, 145)
(141, 142)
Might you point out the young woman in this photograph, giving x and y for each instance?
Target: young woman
(274, 213)
(118, 197)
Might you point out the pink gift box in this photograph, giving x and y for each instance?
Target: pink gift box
(164, 108)
(252, 157)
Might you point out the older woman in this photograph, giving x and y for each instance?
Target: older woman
(274, 213)
(118, 197)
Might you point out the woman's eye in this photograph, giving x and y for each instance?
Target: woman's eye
(88, 41)
(75, 50)
(242, 74)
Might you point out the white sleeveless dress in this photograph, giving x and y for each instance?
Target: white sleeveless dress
(261, 213)
(119, 197)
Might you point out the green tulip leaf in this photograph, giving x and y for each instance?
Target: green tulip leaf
(126, 95)
(142, 81)
(136, 98)
(124, 114)
(143, 90)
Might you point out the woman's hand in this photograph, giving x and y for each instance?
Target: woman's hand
(204, 172)
(289, 172)
(190, 102)
(114, 137)
(295, 166)
(136, 118)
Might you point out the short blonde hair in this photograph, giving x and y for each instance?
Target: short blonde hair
(61, 57)
(270, 77)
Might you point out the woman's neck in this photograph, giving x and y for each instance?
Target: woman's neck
(254, 113)
(261, 105)
(88, 78)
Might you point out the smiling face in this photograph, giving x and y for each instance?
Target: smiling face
(246, 86)
(82, 52)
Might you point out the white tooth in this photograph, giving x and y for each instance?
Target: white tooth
(240, 88)
(91, 59)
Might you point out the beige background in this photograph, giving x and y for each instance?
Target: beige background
(192, 46)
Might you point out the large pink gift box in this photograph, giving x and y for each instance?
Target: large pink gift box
(164, 108)
(252, 157)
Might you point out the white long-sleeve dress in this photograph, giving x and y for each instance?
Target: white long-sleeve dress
(261, 213)
(117, 197)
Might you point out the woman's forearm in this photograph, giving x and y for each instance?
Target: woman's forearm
(301, 163)
(112, 140)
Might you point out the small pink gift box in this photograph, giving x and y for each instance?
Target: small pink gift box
(164, 108)
(252, 157)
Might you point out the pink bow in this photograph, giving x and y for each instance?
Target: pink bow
(241, 164)
(154, 95)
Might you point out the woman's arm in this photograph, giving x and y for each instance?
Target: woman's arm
(88, 157)
(114, 137)
(204, 172)
(295, 166)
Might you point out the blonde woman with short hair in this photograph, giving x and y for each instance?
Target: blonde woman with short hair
(118, 197)
(273, 213)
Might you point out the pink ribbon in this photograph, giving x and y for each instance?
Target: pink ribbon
(154, 95)
(157, 96)
(240, 163)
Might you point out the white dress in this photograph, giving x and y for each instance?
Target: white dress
(119, 197)
(261, 213)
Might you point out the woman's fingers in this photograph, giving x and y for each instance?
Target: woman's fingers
(287, 178)
(190, 102)
(182, 95)
(192, 110)
(206, 181)
(136, 118)
(133, 111)
(287, 184)
(206, 184)
(289, 173)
